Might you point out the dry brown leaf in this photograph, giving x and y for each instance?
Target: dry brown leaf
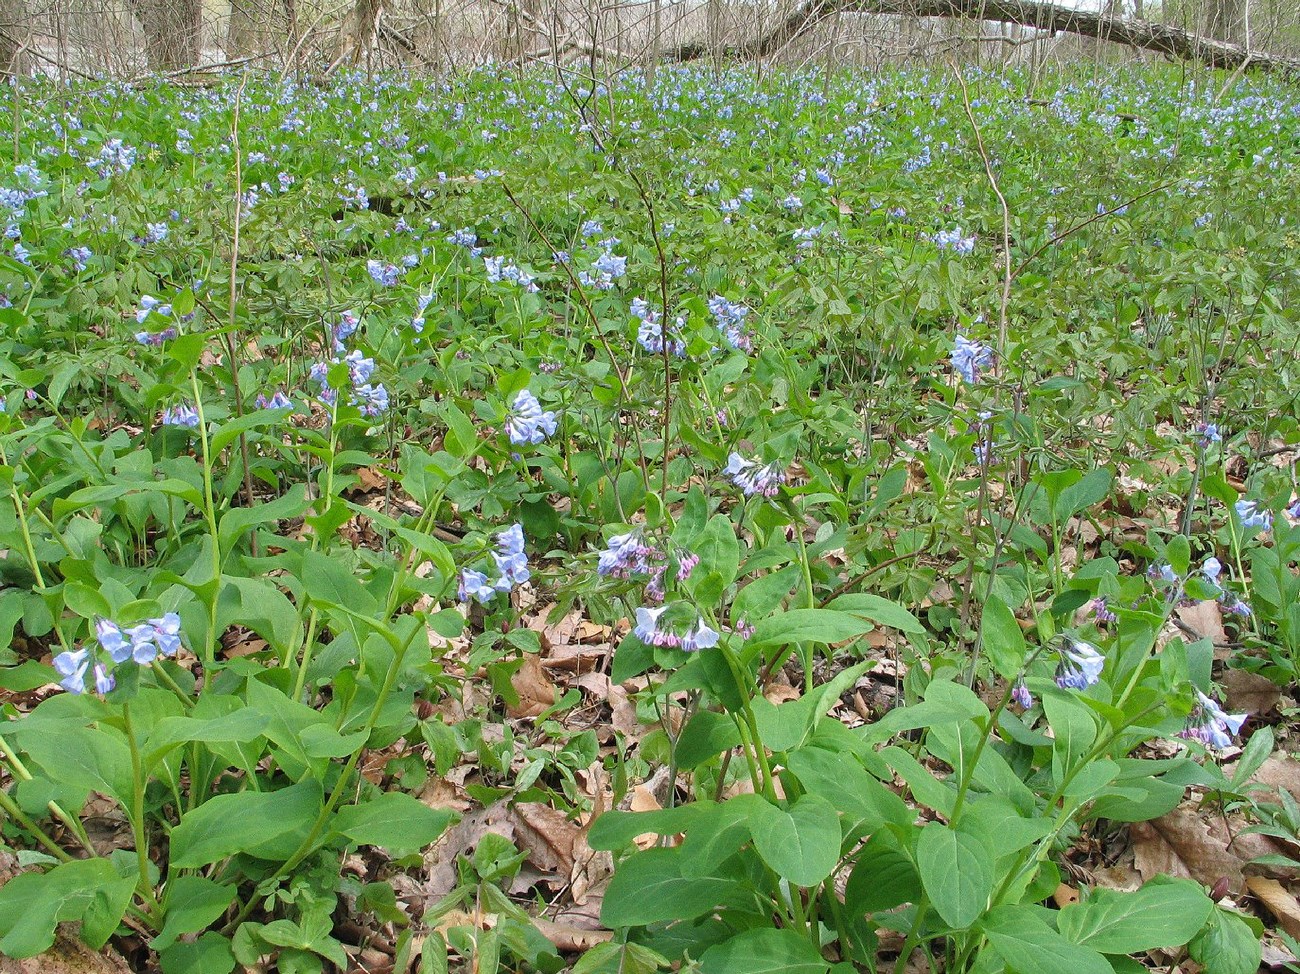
(569, 938)
(623, 712)
(1280, 772)
(1249, 693)
(1065, 895)
(547, 836)
(535, 689)
(1205, 618)
(779, 693)
(461, 839)
(1279, 901)
(1198, 845)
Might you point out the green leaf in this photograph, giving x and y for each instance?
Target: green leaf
(1157, 915)
(649, 887)
(1004, 643)
(706, 735)
(764, 951)
(1226, 946)
(718, 832)
(805, 626)
(265, 825)
(231, 429)
(614, 830)
(96, 759)
(883, 878)
(210, 954)
(879, 610)
(956, 871)
(1092, 489)
(719, 553)
(193, 904)
(1029, 946)
(236, 520)
(33, 904)
(395, 821)
(801, 843)
(239, 727)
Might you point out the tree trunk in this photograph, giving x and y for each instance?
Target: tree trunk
(1141, 34)
(171, 32)
(241, 32)
(360, 29)
(14, 28)
(1224, 20)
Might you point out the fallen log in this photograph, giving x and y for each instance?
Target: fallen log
(1143, 34)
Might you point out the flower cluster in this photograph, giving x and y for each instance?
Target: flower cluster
(969, 357)
(115, 158)
(606, 269)
(1253, 516)
(1209, 724)
(650, 333)
(954, 241)
(527, 423)
(383, 273)
(1080, 664)
(372, 400)
(1212, 569)
(754, 478)
(696, 637)
(142, 643)
(278, 400)
(499, 269)
(730, 318)
(422, 302)
(511, 564)
(182, 414)
(626, 555)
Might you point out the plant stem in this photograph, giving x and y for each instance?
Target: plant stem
(144, 887)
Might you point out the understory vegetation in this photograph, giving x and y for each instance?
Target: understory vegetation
(734, 522)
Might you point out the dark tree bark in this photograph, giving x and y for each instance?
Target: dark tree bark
(1162, 38)
(14, 24)
(171, 32)
(242, 30)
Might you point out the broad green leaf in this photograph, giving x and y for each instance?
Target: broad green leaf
(265, 825)
(956, 871)
(1029, 946)
(806, 626)
(193, 904)
(839, 778)
(614, 830)
(649, 887)
(96, 759)
(32, 904)
(719, 553)
(239, 727)
(883, 878)
(236, 520)
(706, 735)
(879, 610)
(231, 429)
(1227, 945)
(1157, 915)
(1004, 643)
(801, 843)
(764, 951)
(717, 832)
(210, 954)
(395, 821)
